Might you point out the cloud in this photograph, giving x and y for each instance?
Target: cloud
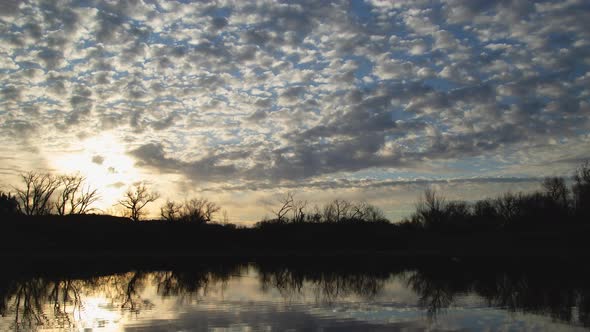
(117, 185)
(373, 184)
(305, 91)
(153, 155)
(218, 23)
(208, 168)
(98, 159)
(165, 123)
(11, 93)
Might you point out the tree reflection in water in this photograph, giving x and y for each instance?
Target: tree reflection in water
(58, 300)
(559, 292)
(327, 286)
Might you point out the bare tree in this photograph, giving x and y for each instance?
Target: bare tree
(199, 210)
(70, 185)
(34, 198)
(315, 215)
(170, 211)
(581, 189)
(358, 211)
(364, 211)
(86, 197)
(507, 207)
(299, 211)
(210, 209)
(286, 206)
(75, 196)
(556, 189)
(337, 210)
(433, 201)
(329, 213)
(136, 199)
(342, 209)
(430, 208)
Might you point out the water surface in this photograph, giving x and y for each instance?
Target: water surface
(279, 297)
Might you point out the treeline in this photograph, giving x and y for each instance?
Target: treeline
(556, 204)
(45, 194)
(291, 210)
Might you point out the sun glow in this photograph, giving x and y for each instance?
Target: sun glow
(104, 163)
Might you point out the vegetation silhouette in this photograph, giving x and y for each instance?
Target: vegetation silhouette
(291, 210)
(49, 215)
(581, 191)
(195, 210)
(75, 196)
(559, 290)
(136, 199)
(44, 194)
(328, 283)
(34, 198)
(555, 206)
(8, 205)
(53, 297)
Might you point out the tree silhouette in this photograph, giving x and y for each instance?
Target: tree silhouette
(556, 190)
(170, 211)
(430, 209)
(135, 200)
(199, 210)
(581, 190)
(286, 206)
(299, 211)
(75, 196)
(34, 198)
(337, 210)
(8, 204)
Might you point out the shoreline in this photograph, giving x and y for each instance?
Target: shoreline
(253, 254)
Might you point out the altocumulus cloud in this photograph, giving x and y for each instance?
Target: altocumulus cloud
(252, 94)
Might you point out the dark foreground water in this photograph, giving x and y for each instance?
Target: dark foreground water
(447, 296)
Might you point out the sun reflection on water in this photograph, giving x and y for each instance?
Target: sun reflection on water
(242, 298)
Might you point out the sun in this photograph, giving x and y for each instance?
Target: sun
(103, 161)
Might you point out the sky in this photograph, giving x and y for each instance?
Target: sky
(243, 101)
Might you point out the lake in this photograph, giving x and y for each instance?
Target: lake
(329, 295)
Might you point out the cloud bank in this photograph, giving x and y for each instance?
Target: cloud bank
(257, 94)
